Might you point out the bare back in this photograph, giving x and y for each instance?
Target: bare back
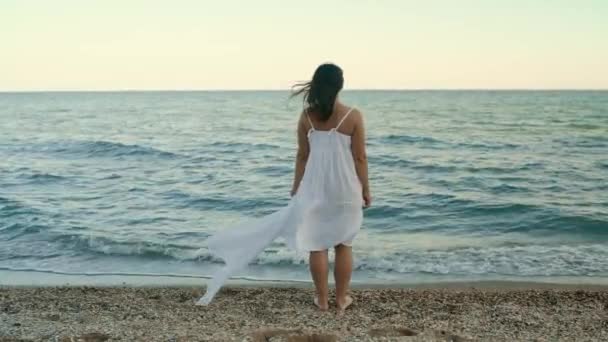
(347, 125)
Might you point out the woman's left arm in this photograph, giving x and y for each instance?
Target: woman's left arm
(302, 155)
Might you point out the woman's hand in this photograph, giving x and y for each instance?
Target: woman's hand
(367, 199)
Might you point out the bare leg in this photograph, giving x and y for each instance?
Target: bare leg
(318, 269)
(342, 273)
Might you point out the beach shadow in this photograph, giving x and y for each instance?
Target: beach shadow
(450, 337)
(312, 338)
(266, 335)
(91, 337)
(438, 335)
(390, 332)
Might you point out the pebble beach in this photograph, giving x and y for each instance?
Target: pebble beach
(475, 312)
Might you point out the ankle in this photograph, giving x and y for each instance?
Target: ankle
(322, 303)
(341, 298)
(322, 299)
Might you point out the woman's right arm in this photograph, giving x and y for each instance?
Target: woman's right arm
(360, 157)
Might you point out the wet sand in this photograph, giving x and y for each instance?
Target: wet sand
(496, 311)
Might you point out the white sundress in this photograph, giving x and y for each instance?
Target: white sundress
(326, 211)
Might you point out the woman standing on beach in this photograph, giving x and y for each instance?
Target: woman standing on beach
(330, 189)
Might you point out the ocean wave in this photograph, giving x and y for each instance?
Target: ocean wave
(274, 171)
(383, 211)
(427, 167)
(507, 189)
(493, 209)
(583, 142)
(239, 204)
(529, 260)
(152, 220)
(431, 142)
(591, 227)
(96, 148)
(86, 244)
(407, 139)
(111, 176)
(58, 110)
(115, 149)
(394, 162)
(390, 161)
(12, 231)
(11, 209)
(495, 170)
(513, 260)
(487, 145)
(42, 178)
(242, 205)
(4, 200)
(533, 219)
(585, 126)
(510, 259)
(238, 147)
(482, 216)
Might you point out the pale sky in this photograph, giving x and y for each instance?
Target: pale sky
(270, 44)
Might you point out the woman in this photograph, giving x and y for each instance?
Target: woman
(330, 188)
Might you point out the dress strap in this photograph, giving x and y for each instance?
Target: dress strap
(310, 121)
(344, 118)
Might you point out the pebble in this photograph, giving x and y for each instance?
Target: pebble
(286, 314)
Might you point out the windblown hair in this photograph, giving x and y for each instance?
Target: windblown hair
(321, 92)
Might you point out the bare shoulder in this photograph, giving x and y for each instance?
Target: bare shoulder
(303, 121)
(356, 115)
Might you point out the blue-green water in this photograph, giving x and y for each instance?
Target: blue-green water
(466, 184)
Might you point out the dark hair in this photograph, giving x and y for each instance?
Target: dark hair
(320, 93)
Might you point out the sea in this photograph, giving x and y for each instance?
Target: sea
(467, 185)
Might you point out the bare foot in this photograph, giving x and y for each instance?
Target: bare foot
(321, 306)
(344, 303)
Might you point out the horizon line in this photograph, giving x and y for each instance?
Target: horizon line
(284, 90)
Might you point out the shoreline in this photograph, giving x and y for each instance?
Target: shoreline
(38, 279)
